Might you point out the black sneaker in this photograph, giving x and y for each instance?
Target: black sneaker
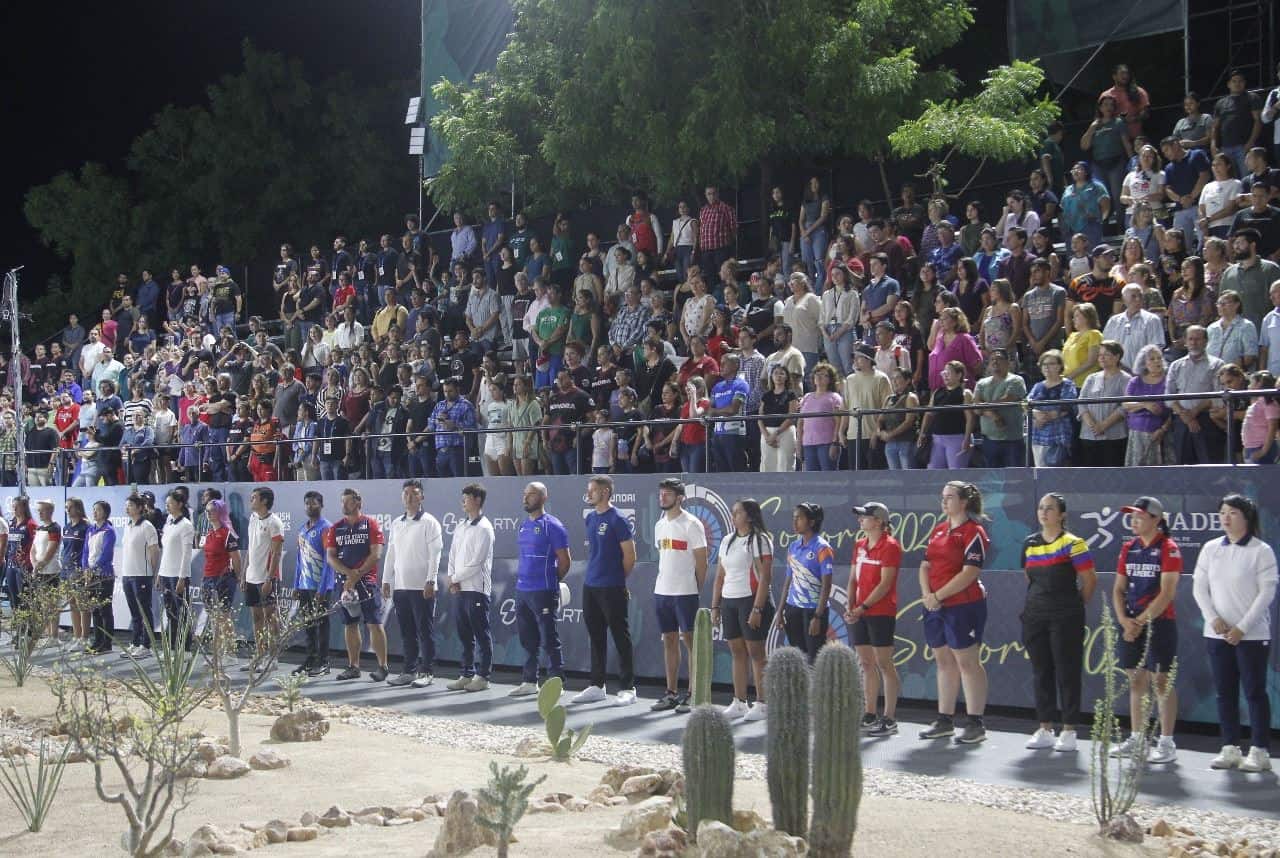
(942, 727)
(321, 669)
(883, 727)
(973, 731)
(380, 674)
(869, 721)
(305, 667)
(682, 703)
(349, 673)
(667, 702)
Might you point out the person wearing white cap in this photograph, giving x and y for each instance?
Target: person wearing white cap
(873, 611)
(1147, 576)
(1235, 587)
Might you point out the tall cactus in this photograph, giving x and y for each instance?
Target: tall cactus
(786, 677)
(701, 658)
(837, 700)
(708, 768)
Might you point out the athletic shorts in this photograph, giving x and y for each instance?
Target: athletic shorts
(370, 605)
(873, 631)
(1164, 647)
(675, 613)
(734, 614)
(253, 595)
(956, 626)
(221, 590)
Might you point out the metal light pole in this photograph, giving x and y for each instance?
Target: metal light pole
(15, 355)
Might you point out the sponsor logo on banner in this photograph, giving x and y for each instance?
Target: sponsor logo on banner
(1188, 529)
(710, 509)
(507, 611)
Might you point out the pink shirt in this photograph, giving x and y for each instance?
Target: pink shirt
(962, 348)
(819, 430)
(1256, 429)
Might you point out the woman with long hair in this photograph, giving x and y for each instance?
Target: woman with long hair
(815, 223)
(907, 333)
(1143, 185)
(659, 437)
(1017, 212)
(526, 417)
(970, 290)
(778, 405)
(924, 298)
(1107, 143)
(303, 433)
(1001, 325)
(98, 563)
(174, 573)
(1080, 352)
(872, 614)
(818, 434)
(1260, 431)
(1235, 587)
(741, 605)
(1061, 579)
(955, 610)
(690, 442)
(1220, 198)
(497, 444)
(953, 343)
(1190, 304)
(19, 536)
(841, 309)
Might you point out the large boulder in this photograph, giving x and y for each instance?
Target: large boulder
(617, 775)
(1123, 828)
(226, 768)
(665, 843)
(642, 785)
(717, 840)
(335, 817)
(768, 843)
(652, 814)
(209, 840)
(305, 725)
(267, 759)
(461, 832)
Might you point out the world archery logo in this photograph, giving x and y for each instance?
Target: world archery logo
(710, 509)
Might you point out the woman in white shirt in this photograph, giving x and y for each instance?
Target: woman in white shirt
(1017, 212)
(1143, 184)
(841, 309)
(1235, 586)
(177, 541)
(741, 602)
(496, 412)
(1220, 198)
(684, 241)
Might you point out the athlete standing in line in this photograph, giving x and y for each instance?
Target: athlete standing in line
(611, 555)
(682, 569)
(313, 581)
(805, 593)
(353, 546)
(544, 561)
(873, 614)
(741, 604)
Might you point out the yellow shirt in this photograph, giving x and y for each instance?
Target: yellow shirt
(1075, 354)
(386, 317)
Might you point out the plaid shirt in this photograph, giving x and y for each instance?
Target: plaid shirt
(461, 412)
(751, 370)
(628, 325)
(1058, 432)
(717, 226)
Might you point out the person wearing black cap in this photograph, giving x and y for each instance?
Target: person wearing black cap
(110, 434)
(682, 569)
(1143, 599)
(1060, 581)
(873, 611)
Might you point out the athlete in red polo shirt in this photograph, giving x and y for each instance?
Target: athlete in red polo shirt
(955, 610)
(873, 613)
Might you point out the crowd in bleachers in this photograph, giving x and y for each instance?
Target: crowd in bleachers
(501, 350)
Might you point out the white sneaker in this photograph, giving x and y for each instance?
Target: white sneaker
(477, 683)
(1257, 761)
(422, 680)
(127, 652)
(1040, 740)
(1066, 741)
(458, 684)
(524, 689)
(590, 694)
(141, 652)
(758, 712)
(1228, 758)
(625, 697)
(736, 709)
(1128, 747)
(1164, 751)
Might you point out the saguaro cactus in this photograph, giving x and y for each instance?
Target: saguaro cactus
(837, 700)
(708, 768)
(787, 747)
(701, 658)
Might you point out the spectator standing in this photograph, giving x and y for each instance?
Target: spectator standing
(1250, 276)
(1193, 130)
(950, 430)
(1196, 439)
(1262, 215)
(1103, 433)
(1002, 427)
(1052, 428)
(802, 312)
(818, 433)
(1132, 102)
(864, 388)
(1237, 121)
(1135, 327)
(814, 224)
(452, 414)
(493, 238)
(1232, 338)
(717, 232)
(462, 241)
(1186, 172)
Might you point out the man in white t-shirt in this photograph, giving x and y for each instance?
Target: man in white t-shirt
(682, 568)
(262, 566)
(139, 557)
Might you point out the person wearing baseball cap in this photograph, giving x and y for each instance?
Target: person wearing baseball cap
(682, 570)
(873, 611)
(1147, 576)
(1096, 286)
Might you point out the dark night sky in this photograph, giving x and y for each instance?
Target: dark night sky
(85, 78)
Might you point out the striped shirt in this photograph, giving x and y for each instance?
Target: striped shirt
(1052, 568)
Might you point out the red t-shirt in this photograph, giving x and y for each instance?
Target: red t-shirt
(950, 550)
(1142, 567)
(867, 565)
(693, 433)
(343, 295)
(67, 415)
(218, 546)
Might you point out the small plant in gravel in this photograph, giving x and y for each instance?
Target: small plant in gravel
(564, 743)
(37, 608)
(291, 688)
(1115, 781)
(33, 794)
(504, 800)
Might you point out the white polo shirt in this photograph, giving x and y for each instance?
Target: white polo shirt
(738, 556)
(177, 542)
(263, 532)
(414, 546)
(135, 539)
(1236, 582)
(677, 539)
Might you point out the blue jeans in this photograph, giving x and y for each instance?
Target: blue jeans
(813, 252)
(416, 615)
(331, 469)
(810, 361)
(728, 452)
(547, 377)
(471, 618)
(1185, 220)
(840, 351)
(384, 464)
(451, 462)
(564, 461)
(684, 258)
(817, 457)
(1244, 664)
(536, 626)
(423, 460)
(1236, 154)
(901, 455)
(138, 595)
(218, 455)
(693, 458)
(13, 581)
(785, 254)
(1003, 454)
(223, 320)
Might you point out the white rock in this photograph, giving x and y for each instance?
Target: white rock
(226, 768)
(641, 785)
(652, 814)
(267, 759)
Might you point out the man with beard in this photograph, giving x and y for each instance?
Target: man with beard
(682, 569)
(1250, 276)
(544, 561)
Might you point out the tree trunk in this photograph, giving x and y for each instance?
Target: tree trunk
(233, 731)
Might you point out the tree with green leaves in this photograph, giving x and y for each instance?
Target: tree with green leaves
(593, 95)
(270, 156)
(1004, 121)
